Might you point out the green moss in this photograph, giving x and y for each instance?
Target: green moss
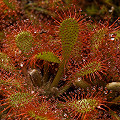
(92, 9)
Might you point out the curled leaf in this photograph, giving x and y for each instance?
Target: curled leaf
(48, 56)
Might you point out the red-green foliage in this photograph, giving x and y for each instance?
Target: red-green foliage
(46, 63)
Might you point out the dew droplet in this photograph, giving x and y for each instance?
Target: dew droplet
(65, 115)
(112, 38)
(79, 79)
(21, 64)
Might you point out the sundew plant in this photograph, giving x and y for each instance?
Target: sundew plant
(57, 63)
